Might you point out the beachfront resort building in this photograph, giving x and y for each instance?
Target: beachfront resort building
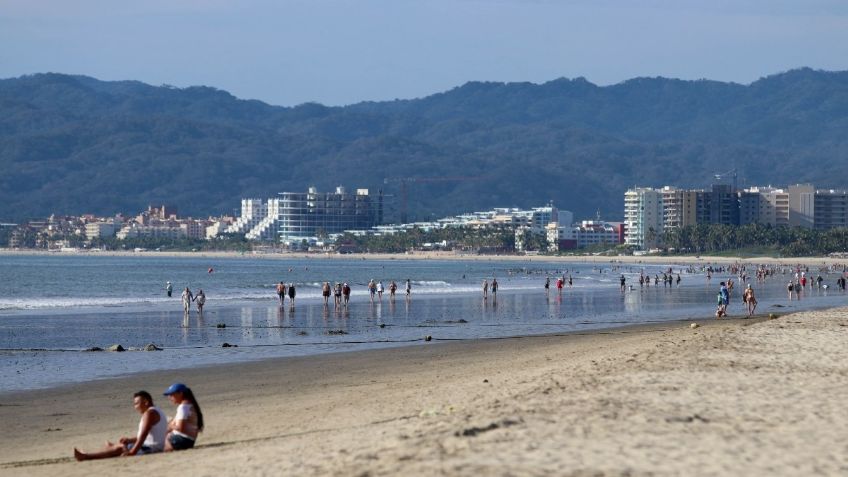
(312, 214)
(258, 220)
(643, 217)
(798, 205)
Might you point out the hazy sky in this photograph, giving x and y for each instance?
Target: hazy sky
(288, 52)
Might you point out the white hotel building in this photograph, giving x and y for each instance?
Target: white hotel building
(643, 217)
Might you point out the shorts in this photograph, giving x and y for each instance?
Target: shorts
(179, 442)
(326, 293)
(142, 451)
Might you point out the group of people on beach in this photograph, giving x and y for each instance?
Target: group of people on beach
(155, 432)
(494, 287)
(284, 290)
(341, 292)
(187, 297)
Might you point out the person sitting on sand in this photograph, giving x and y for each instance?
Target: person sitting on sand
(184, 427)
(150, 438)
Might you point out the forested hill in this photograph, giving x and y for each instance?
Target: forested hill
(73, 144)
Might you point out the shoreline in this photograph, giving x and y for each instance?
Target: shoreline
(646, 259)
(730, 396)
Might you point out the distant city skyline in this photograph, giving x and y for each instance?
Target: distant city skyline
(338, 52)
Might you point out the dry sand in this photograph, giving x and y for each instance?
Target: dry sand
(737, 397)
(646, 259)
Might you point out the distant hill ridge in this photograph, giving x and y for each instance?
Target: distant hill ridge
(74, 144)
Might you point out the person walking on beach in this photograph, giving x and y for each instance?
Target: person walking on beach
(292, 293)
(281, 293)
(346, 293)
(494, 287)
(150, 437)
(790, 287)
(750, 300)
(547, 285)
(485, 289)
(169, 289)
(622, 281)
(408, 288)
(325, 292)
(187, 423)
(187, 298)
(372, 289)
(380, 290)
(200, 300)
(337, 294)
(392, 290)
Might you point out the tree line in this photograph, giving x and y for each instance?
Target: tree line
(787, 241)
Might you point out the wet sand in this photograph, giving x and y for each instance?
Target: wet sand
(734, 397)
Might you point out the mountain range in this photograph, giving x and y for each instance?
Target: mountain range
(74, 144)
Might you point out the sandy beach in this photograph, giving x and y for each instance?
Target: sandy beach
(734, 397)
(460, 256)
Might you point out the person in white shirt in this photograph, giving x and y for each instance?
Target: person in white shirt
(184, 427)
(150, 437)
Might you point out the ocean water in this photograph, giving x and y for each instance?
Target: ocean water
(53, 307)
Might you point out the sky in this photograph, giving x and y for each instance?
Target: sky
(336, 52)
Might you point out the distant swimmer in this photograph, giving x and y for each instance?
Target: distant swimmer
(169, 289)
(211, 270)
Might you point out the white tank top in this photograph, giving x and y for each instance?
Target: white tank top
(156, 437)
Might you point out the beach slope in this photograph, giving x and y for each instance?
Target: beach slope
(737, 397)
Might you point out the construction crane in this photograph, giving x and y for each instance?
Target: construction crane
(725, 175)
(404, 187)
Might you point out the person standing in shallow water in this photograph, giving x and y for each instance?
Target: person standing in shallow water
(169, 289)
(325, 292)
(187, 298)
(292, 293)
(494, 287)
(200, 300)
(281, 293)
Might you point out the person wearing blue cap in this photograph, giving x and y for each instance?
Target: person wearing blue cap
(184, 427)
